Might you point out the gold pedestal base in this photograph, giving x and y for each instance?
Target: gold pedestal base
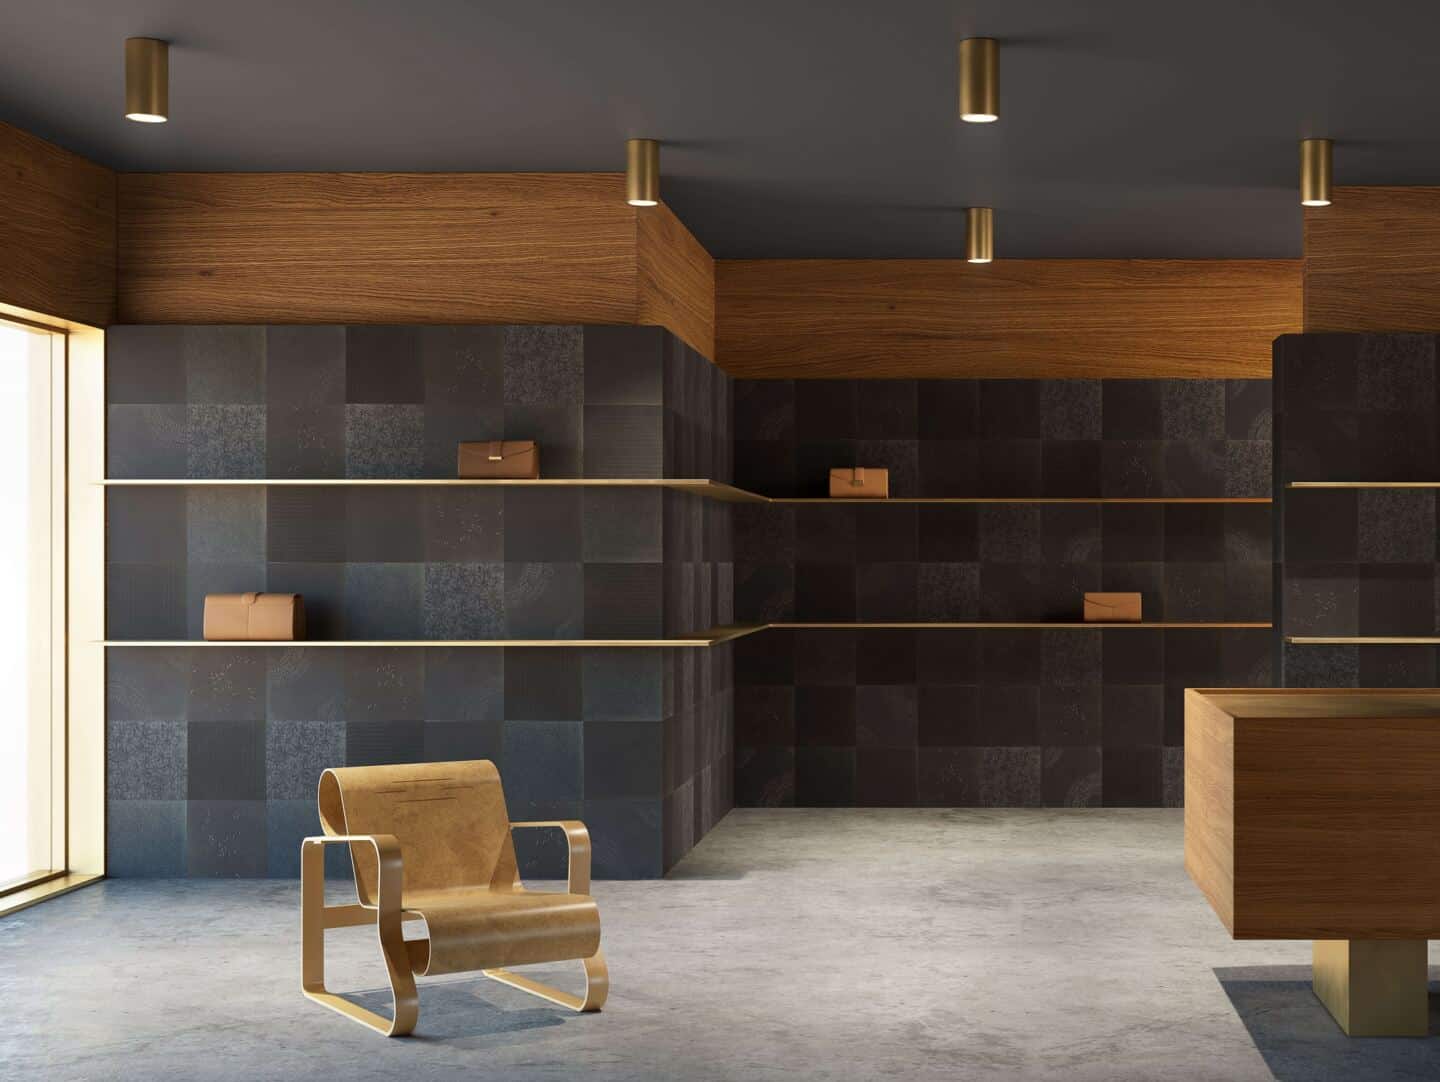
(1374, 987)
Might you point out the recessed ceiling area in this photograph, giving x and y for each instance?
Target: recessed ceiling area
(822, 128)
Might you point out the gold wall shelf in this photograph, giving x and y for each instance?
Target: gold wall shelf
(1364, 640)
(1003, 624)
(704, 638)
(1363, 484)
(700, 486)
(712, 637)
(718, 490)
(1021, 499)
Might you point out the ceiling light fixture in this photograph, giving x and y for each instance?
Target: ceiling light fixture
(979, 80)
(642, 172)
(147, 80)
(979, 234)
(1315, 156)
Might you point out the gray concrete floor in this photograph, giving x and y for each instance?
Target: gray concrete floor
(842, 944)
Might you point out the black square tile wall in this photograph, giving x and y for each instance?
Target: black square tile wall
(1025, 717)
(213, 755)
(956, 562)
(449, 563)
(999, 438)
(1356, 562)
(1007, 437)
(587, 737)
(394, 401)
(1035, 717)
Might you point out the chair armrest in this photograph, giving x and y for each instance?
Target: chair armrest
(381, 842)
(578, 839)
(389, 880)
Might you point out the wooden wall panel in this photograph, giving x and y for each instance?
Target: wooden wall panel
(406, 248)
(1013, 318)
(57, 230)
(1372, 261)
(375, 248)
(676, 279)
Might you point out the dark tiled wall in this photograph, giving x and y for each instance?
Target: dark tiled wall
(993, 717)
(699, 745)
(214, 752)
(382, 401)
(960, 562)
(699, 737)
(1016, 718)
(1075, 438)
(422, 563)
(1353, 562)
(1007, 437)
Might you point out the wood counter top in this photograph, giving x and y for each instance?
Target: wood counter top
(1297, 703)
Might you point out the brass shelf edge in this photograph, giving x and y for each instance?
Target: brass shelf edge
(1363, 484)
(1363, 640)
(1078, 625)
(719, 490)
(1020, 499)
(712, 637)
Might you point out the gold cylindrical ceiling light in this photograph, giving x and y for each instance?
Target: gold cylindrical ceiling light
(147, 80)
(1315, 156)
(979, 234)
(642, 172)
(979, 80)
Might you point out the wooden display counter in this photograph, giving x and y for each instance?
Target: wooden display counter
(1315, 814)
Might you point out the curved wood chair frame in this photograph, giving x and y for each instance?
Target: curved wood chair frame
(402, 956)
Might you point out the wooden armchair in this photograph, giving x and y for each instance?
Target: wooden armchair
(432, 842)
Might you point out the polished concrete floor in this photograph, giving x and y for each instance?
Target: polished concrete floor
(841, 944)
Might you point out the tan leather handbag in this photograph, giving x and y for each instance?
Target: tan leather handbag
(501, 459)
(860, 483)
(1112, 608)
(254, 617)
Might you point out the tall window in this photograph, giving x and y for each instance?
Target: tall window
(32, 632)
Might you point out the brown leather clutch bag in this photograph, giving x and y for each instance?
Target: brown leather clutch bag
(1112, 608)
(254, 617)
(860, 484)
(517, 460)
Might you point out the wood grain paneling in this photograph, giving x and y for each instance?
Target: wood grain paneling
(407, 248)
(1013, 318)
(1210, 804)
(1333, 807)
(57, 230)
(375, 248)
(1372, 261)
(676, 279)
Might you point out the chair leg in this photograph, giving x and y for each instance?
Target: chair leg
(312, 954)
(597, 985)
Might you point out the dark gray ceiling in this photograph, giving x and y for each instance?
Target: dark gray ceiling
(1144, 128)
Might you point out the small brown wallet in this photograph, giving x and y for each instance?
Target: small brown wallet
(254, 617)
(860, 484)
(1112, 608)
(517, 460)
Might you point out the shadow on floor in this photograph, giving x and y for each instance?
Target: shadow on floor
(468, 1013)
(1301, 1042)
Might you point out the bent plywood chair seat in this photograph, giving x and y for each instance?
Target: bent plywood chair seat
(432, 842)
